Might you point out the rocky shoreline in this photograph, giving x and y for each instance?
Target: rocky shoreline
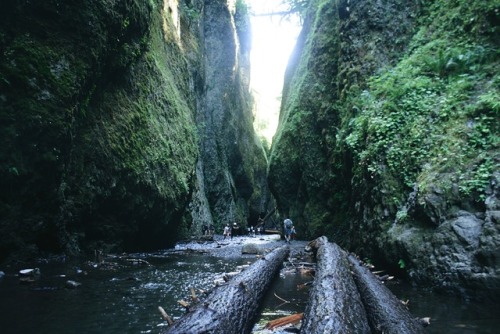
(237, 246)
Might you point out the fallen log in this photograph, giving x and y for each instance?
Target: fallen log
(194, 298)
(165, 316)
(184, 304)
(386, 313)
(268, 215)
(272, 231)
(232, 307)
(334, 303)
(138, 261)
(288, 320)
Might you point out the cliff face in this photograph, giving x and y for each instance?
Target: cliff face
(232, 159)
(107, 109)
(388, 136)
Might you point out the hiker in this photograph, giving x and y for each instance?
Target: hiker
(251, 231)
(288, 225)
(204, 229)
(211, 229)
(227, 231)
(294, 233)
(234, 229)
(260, 226)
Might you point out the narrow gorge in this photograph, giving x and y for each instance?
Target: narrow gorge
(388, 140)
(127, 125)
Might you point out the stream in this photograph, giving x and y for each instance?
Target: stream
(123, 296)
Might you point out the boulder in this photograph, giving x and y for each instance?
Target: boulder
(252, 249)
(72, 284)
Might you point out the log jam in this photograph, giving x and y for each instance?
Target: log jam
(232, 307)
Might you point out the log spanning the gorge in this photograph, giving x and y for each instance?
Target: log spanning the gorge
(334, 302)
(231, 308)
(386, 313)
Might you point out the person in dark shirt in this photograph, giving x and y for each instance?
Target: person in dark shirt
(287, 228)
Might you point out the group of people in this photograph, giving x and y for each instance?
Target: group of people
(253, 231)
(232, 230)
(208, 229)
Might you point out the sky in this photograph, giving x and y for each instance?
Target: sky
(272, 43)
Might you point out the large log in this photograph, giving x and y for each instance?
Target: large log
(231, 308)
(386, 313)
(334, 302)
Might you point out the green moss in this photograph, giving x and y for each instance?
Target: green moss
(99, 136)
(299, 171)
(360, 127)
(426, 115)
(146, 132)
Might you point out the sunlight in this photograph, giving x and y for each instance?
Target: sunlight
(272, 44)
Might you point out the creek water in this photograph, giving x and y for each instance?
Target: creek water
(123, 296)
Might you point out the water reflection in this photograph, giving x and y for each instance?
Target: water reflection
(287, 295)
(449, 314)
(125, 299)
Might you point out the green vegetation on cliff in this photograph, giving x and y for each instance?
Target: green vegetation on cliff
(436, 112)
(126, 125)
(310, 171)
(97, 125)
(389, 136)
(403, 114)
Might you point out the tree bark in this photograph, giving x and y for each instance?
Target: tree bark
(386, 313)
(231, 308)
(334, 303)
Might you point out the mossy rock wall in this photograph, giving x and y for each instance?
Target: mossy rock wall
(232, 158)
(99, 103)
(388, 139)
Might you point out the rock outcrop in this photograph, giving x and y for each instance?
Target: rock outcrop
(388, 137)
(125, 125)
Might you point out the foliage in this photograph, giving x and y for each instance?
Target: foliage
(426, 114)
(241, 7)
(298, 7)
(299, 171)
(189, 13)
(404, 137)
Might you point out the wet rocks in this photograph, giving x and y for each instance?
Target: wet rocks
(29, 272)
(72, 284)
(252, 249)
(27, 276)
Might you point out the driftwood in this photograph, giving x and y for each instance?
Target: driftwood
(194, 298)
(165, 316)
(386, 313)
(138, 261)
(232, 307)
(334, 302)
(184, 304)
(288, 320)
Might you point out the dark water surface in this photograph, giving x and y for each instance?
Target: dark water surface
(124, 297)
(450, 314)
(120, 300)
